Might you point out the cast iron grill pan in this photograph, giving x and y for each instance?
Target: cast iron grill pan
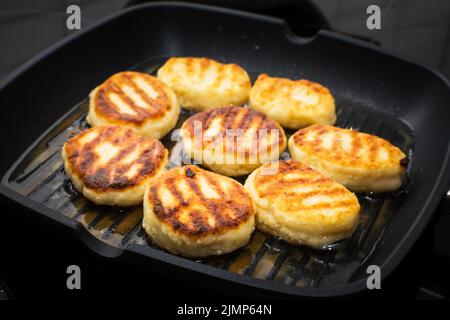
(397, 100)
(40, 176)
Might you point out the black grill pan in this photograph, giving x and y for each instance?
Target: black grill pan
(400, 101)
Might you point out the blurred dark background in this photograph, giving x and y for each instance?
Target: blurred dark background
(415, 29)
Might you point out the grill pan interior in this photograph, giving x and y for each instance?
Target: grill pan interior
(40, 176)
(375, 92)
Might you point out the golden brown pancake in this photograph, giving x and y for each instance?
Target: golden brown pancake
(252, 139)
(360, 161)
(112, 165)
(300, 205)
(135, 100)
(292, 103)
(197, 213)
(202, 84)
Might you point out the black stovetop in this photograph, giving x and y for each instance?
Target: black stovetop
(419, 30)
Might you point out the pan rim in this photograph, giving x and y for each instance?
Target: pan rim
(389, 264)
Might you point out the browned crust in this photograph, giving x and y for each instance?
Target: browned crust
(340, 155)
(110, 176)
(277, 84)
(274, 185)
(234, 117)
(206, 65)
(200, 208)
(105, 108)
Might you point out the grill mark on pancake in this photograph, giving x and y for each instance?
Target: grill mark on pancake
(316, 142)
(351, 157)
(321, 193)
(305, 195)
(280, 184)
(170, 214)
(356, 145)
(336, 144)
(205, 117)
(236, 118)
(200, 225)
(373, 151)
(113, 180)
(198, 69)
(108, 108)
(84, 163)
(148, 164)
(199, 222)
(118, 180)
(246, 119)
(156, 107)
(158, 208)
(289, 166)
(199, 207)
(217, 188)
(219, 77)
(205, 203)
(146, 168)
(143, 95)
(173, 189)
(110, 175)
(344, 203)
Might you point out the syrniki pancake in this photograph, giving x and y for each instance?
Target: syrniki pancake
(292, 103)
(300, 205)
(232, 140)
(202, 83)
(360, 161)
(135, 100)
(112, 165)
(197, 213)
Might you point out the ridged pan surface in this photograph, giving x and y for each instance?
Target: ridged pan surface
(40, 176)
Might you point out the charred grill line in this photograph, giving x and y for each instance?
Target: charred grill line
(155, 107)
(143, 95)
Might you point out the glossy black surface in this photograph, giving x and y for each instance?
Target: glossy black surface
(348, 72)
(416, 29)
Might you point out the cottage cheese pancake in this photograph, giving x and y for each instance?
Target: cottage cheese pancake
(202, 83)
(360, 161)
(112, 165)
(134, 100)
(292, 103)
(196, 213)
(232, 140)
(300, 205)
